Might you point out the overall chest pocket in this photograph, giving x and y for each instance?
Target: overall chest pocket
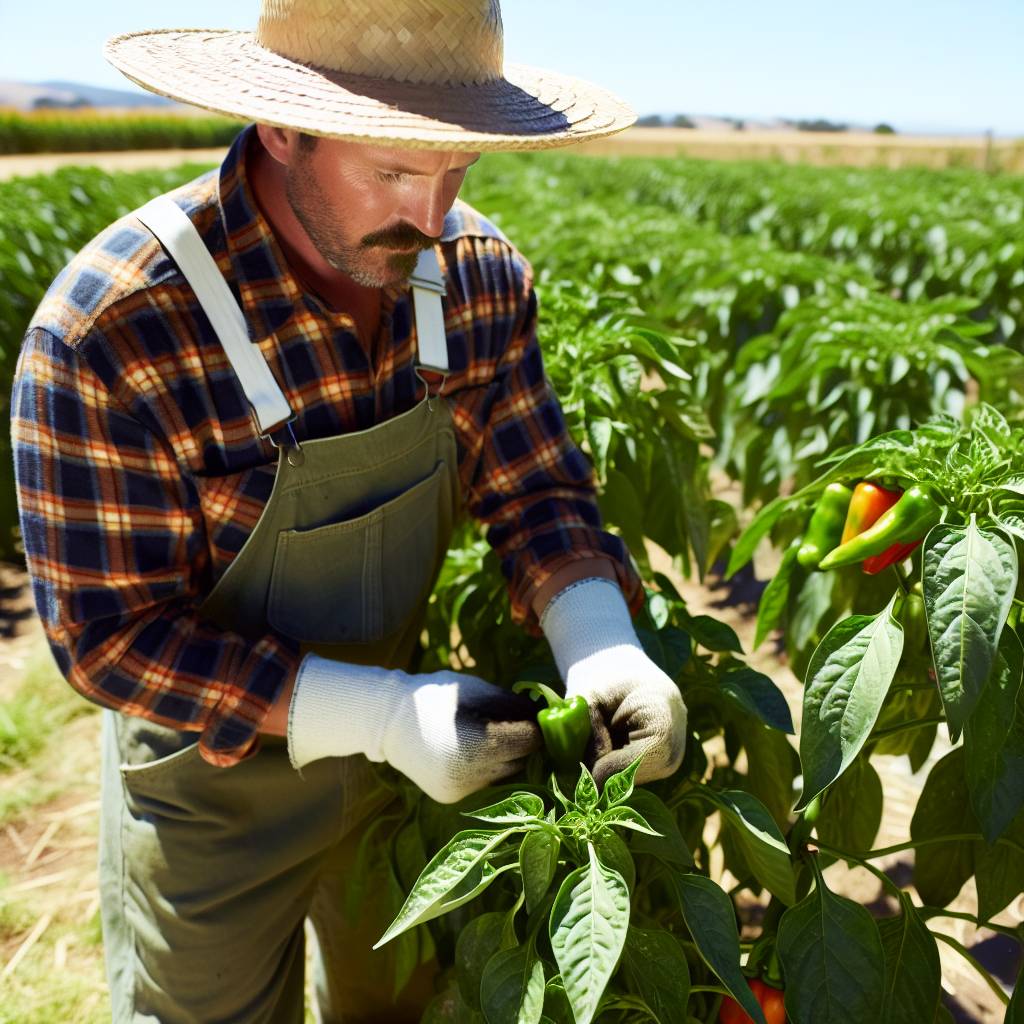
(358, 580)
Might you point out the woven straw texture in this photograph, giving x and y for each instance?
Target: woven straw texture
(453, 42)
(426, 74)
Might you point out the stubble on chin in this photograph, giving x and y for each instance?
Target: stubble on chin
(308, 203)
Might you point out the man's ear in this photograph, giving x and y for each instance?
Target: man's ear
(280, 143)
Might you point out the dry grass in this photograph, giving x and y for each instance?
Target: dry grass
(854, 149)
(822, 149)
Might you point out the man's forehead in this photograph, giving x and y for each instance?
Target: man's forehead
(412, 161)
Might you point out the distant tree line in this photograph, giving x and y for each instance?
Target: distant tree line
(815, 125)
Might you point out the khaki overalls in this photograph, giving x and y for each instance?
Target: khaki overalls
(207, 874)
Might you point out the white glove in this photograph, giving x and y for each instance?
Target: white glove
(634, 707)
(451, 734)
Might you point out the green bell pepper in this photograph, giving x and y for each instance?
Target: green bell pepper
(564, 724)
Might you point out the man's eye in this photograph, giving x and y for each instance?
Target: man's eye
(389, 176)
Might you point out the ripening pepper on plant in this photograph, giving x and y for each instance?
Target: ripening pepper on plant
(904, 523)
(825, 530)
(564, 724)
(868, 504)
(891, 556)
(771, 1000)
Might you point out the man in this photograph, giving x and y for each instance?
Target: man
(243, 426)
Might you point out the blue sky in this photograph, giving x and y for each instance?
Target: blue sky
(921, 65)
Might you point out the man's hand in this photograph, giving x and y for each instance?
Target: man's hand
(451, 734)
(634, 707)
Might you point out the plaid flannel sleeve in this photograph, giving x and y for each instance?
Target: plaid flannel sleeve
(116, 550)
(525, 477)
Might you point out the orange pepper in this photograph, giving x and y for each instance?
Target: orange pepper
(868, 503)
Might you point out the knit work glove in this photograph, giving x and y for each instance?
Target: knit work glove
(451, 734)
(634, 707)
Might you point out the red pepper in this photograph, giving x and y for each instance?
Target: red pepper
(890, 556)
(771, 1000)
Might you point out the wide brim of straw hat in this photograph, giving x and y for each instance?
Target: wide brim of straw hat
(228, 72)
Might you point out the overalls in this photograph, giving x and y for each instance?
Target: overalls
(207, 874)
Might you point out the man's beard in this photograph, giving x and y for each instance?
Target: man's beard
(310, 206)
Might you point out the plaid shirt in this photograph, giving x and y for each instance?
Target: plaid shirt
(140, 473)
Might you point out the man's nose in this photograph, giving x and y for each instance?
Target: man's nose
(429, 209)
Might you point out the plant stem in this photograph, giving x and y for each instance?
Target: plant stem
(717, 989)
(927, 913)
(900, 578)
(842, 855)
(965, 953)
(918, 723)
(911, 844)
(914, 844)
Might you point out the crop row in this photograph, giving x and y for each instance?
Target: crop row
(920, 234)
(792, 353)
(87, 132)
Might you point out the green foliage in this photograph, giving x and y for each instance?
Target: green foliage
(44, 221)
(792, 327)
(93, 132)
(42, 704)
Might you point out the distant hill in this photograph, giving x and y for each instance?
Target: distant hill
(718, 123)
(71, 95)
(97, 97)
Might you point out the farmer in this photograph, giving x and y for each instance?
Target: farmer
(245, 419)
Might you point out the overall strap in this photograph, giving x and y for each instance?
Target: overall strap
(178, 235)
(427, 289)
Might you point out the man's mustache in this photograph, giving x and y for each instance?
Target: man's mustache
(405, 240)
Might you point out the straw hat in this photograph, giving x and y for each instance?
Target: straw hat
(422, 74)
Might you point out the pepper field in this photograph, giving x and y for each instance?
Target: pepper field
(728, 339)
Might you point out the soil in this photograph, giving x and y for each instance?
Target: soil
(52, 849)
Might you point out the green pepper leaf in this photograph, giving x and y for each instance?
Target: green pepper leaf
(586, 798)
(538, 862)
(852, 810)
(943, 809)
(618, 787)
(759, 527)
(517, 809)
(912, 972)
(775, 597)
(669, 845)
(657, 968)
(711, 919)
(994, 741)
(441, 878)
(970, 576)
(847, 682)
(757, 693)
(626, 817)
(999, 870)
(764, 846)
(474, 947)
(833, 959)
(588, 927)
(711, 633)
(512, 987)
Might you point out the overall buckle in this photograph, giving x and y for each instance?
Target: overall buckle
(293, 453)
(426, 384)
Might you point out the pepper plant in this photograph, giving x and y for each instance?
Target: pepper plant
(934, 641)
(601, 905)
